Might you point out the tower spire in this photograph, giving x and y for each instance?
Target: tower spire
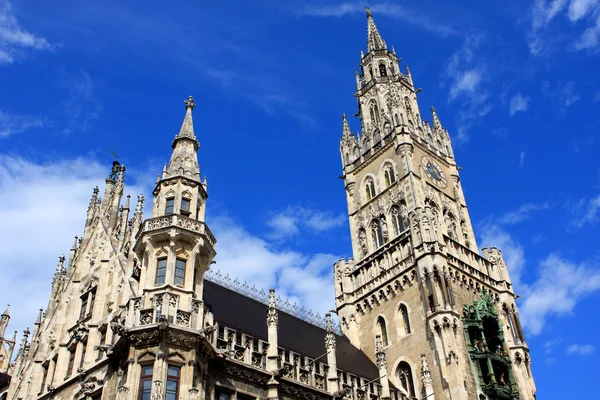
(184, 160)
(374, 39)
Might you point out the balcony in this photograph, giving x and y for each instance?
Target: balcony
(178, 221)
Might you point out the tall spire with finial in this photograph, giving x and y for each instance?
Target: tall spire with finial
(184, 160)
(374, 39)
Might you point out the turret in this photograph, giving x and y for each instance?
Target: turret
(4, 319)
(381, 358)
(348, 144)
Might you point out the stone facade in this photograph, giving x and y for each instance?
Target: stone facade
(135, 312)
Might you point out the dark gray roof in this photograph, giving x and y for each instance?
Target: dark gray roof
(247, 315)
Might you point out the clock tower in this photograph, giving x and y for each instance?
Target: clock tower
(445, 314)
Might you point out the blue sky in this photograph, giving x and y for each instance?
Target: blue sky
(516, 83)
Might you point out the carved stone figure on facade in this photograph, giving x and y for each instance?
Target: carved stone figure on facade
(362, 240)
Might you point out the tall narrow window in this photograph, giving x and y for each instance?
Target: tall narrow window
(170, 207)
(376, 233)
(84, 304)
(45, 376)
(390, 177)
(374, 112)
(382, 331)
(146, 382)
(185, 207)
(397, 223)
(173, 382)
(370, 189)
(405, 320)
(405, 378)
(382, 70)
(92, 300)
(179, 272)
(83, 351)
(161, 271)
(71, 362)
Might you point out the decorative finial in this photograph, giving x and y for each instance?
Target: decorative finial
(368, 11)
(189, 103)
(328, 323)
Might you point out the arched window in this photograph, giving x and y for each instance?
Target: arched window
(374, 111)
(405, 319)
(390, 177)
(370, 189)
(382, 70)
(376, 233)
(370, 72)
(397, 223)
(382, 331)
(429, 138)
(396, 119)
(405, 377)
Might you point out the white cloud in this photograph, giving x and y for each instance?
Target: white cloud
(11, 123)
(580, 8)
(465, 75)
(304, 278)
(581, 350)
(401, 12)
(14, 39)
(577, 11)
(521, 159)
(518, 103)
(559, 283)
(82, 106)
(43, 208)
(524, 212)
(289, 222)
(564, 93)
(585, 211)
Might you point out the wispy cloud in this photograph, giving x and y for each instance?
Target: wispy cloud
(82, 105)
(521, 159)
(389, 9)
(302, 277)
(11, 123)
(563, 92)
(580, 349)
(559, 283)
(585, 211)
(524, 212)
(465, 75)
(579, 12)
(14, 40)
(558, 286)
(65, 187)
(289, 222)
(518, 103)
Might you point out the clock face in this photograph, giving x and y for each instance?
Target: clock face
(434, 172)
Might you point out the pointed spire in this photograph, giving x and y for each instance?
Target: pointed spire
(187, 127)
(381, 359)
(332, 372)
(184, 160)
(374, 39)
(6, 312)
(437, 124)
(38, 321)
(346, 132)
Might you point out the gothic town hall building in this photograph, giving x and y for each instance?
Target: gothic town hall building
(136, 314)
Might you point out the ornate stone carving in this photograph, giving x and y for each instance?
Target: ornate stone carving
(182, 318)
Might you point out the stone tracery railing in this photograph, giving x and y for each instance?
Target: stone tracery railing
(260, 295)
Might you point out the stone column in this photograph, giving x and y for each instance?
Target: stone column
(332, 378)
(272, 356)
(382, 365)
